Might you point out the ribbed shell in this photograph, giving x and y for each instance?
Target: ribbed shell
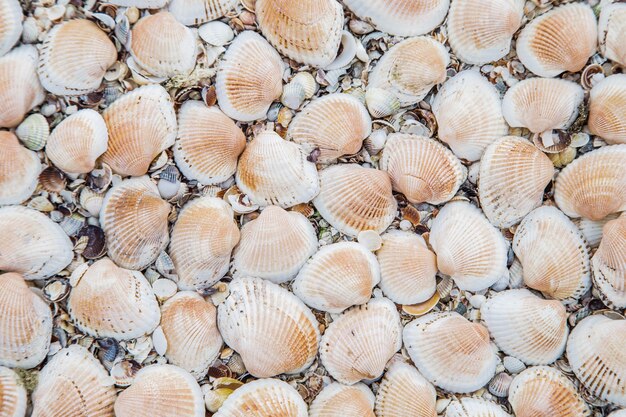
(357, 344)
(475, 407)
(249, 78)
(134, 220)
(450, 351)
(194, 12)
(457, 112)
(607, 108)
(353, 199)
(19, 170)
(512, 177)
(13, 399)
(343, 400)
(559, 40)
(609, 263)
(208, 143)
(611, 32)
(11, 18)
(141, 4)
(338, 276)
(422, 169)
(141, 125)
(74, 57)
(592, 229)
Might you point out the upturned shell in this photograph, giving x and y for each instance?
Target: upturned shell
(272, 330)
(607, 108)
(474, 407)
(609, 263)
(450, 351)
(611, 32)
(194, 12)
(11, 18)
(343, 400)
(13, 398)
(19, 170)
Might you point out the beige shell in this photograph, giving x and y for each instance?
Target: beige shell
(134, 220)
(275, 245)
(74, 57)
(38, 248)
(74, 383)
(13, 400)
(208, 143)
(161, 391)
(609, 263)
(78, 141)
(422, 169)
(336, 124)
(512, 177)
(307, 31)
(249, 78)
(468, 247)
(611, 32)
(10, 24)
(456, 112)
(450, 351)
(141, 125)
(25, 324)
(19, 170)
(202, 241)
(561, 39)
(594, 185)
(475, 407)
(338, 276)
(592, 229)
(194, 12)
(357, 344)
(553, 254)
(353, 199)
(407, 267)
(343, 400)
(272, 330)
(140, 4)
(607, 109)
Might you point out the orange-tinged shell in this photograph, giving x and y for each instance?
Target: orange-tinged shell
(19, 170)
(343, 400)
(13, 400)
(140, 4)
(611, 32)
(592, 229)
(194, 12)
(607, 109)
(11, 18)
(475, 407)
(609, 263)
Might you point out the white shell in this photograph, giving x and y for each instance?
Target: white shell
(592, 229)
(140, 4)
(193, 12)
(607, 108)
(609, 263)
(611, 30)
(343, 400)
(10, 24)
(12, 394)
(474, 407)
(215, 33)
(19, 170)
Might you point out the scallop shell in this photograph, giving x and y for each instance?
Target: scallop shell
(513, 175)
(609, 263)
(611, 32)
(456, 112)
(474, 407)
(450, 351)
(353, 199)
(19, 170)
(202, 241)
(560, 40)
(553, 254)
(194, 12)
(134, 220)
(592, 229)
(249, 78)
(343, 400)
(607, 108)
(10, 24)
(272, 330)
(141, 125)
(338, 276)
(275, 245)
(74, 57)
(12, 394)
(357, 344)
(422, 169)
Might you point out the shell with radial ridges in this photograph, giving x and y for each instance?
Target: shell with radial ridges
(607, 109)
(11, 18)
(609, 263)
(474, 407)
(194, 12)
(13, 397)
(611, 32)
(337, 399)
(19, 170)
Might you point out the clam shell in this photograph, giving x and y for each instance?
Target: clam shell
(13, 394)
(194, 12)
(609, 263)
(607, 108)
(10, 25)
(474, 407)
(343, 400)
(611, 32)
(450, 351)
(338, 276)
(272, 330)
(357, 344)
(19, 170)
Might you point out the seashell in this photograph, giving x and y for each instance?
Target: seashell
(272, 330)
(21, 89)
(309, 32)
(422, 169)
(381, 103)
(611, 31)
(499, 385)
(594, 185)
(609, 263)
(134, 220)
(52, 180)
(618, 413)
(592, 229)
(78, 141)
(553, 254)
(19, 170)
(10, 25)
(249, 78)
(480, 31)
(264, 398)
(474, 407)
(512, 177)
(33, 132)
(108, 301)
(456, 112)
(336, 124)
(468, 247)
(38, 247)
(256, 254)
(194, 12)
(74, 57)
(25, 324)
(357, 344)
(215, 33)
(544, 391)
(559, 40)
(202, 241)
(343, 400)
(274, 171)
(141, 125)
(353, 199)
(450, 351)
(73, 383)
(306, 80)
(338, 276)
(607, 109)
(293, 95)
(161, 391)
(140, 4)
(13, 397)
(401, 17)
(525, 326)
(347, 51)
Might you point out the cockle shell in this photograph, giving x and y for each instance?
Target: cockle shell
(343, 400)
(338, 276)
(609, 263)
(592, 229)
(13, 400)
(474, 407)
(10, 24)
(19, 170)
(450, 351)
(194, 12)
(272, 330)
(611, 32)
(607, 108)
(357, 344)
(33, 132)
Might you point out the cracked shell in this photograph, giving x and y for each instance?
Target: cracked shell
(13, 394)
(195, 12)
(474, 407)
(609, 263)
(19, 170)
(11, 18)
(607, 109)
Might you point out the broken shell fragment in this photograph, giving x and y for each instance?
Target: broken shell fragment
(194, 12)
(343, 400)
(611, 31)
(10, 26)
(13, 394)
(609, 263)
(607, 109)
(19, 170)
